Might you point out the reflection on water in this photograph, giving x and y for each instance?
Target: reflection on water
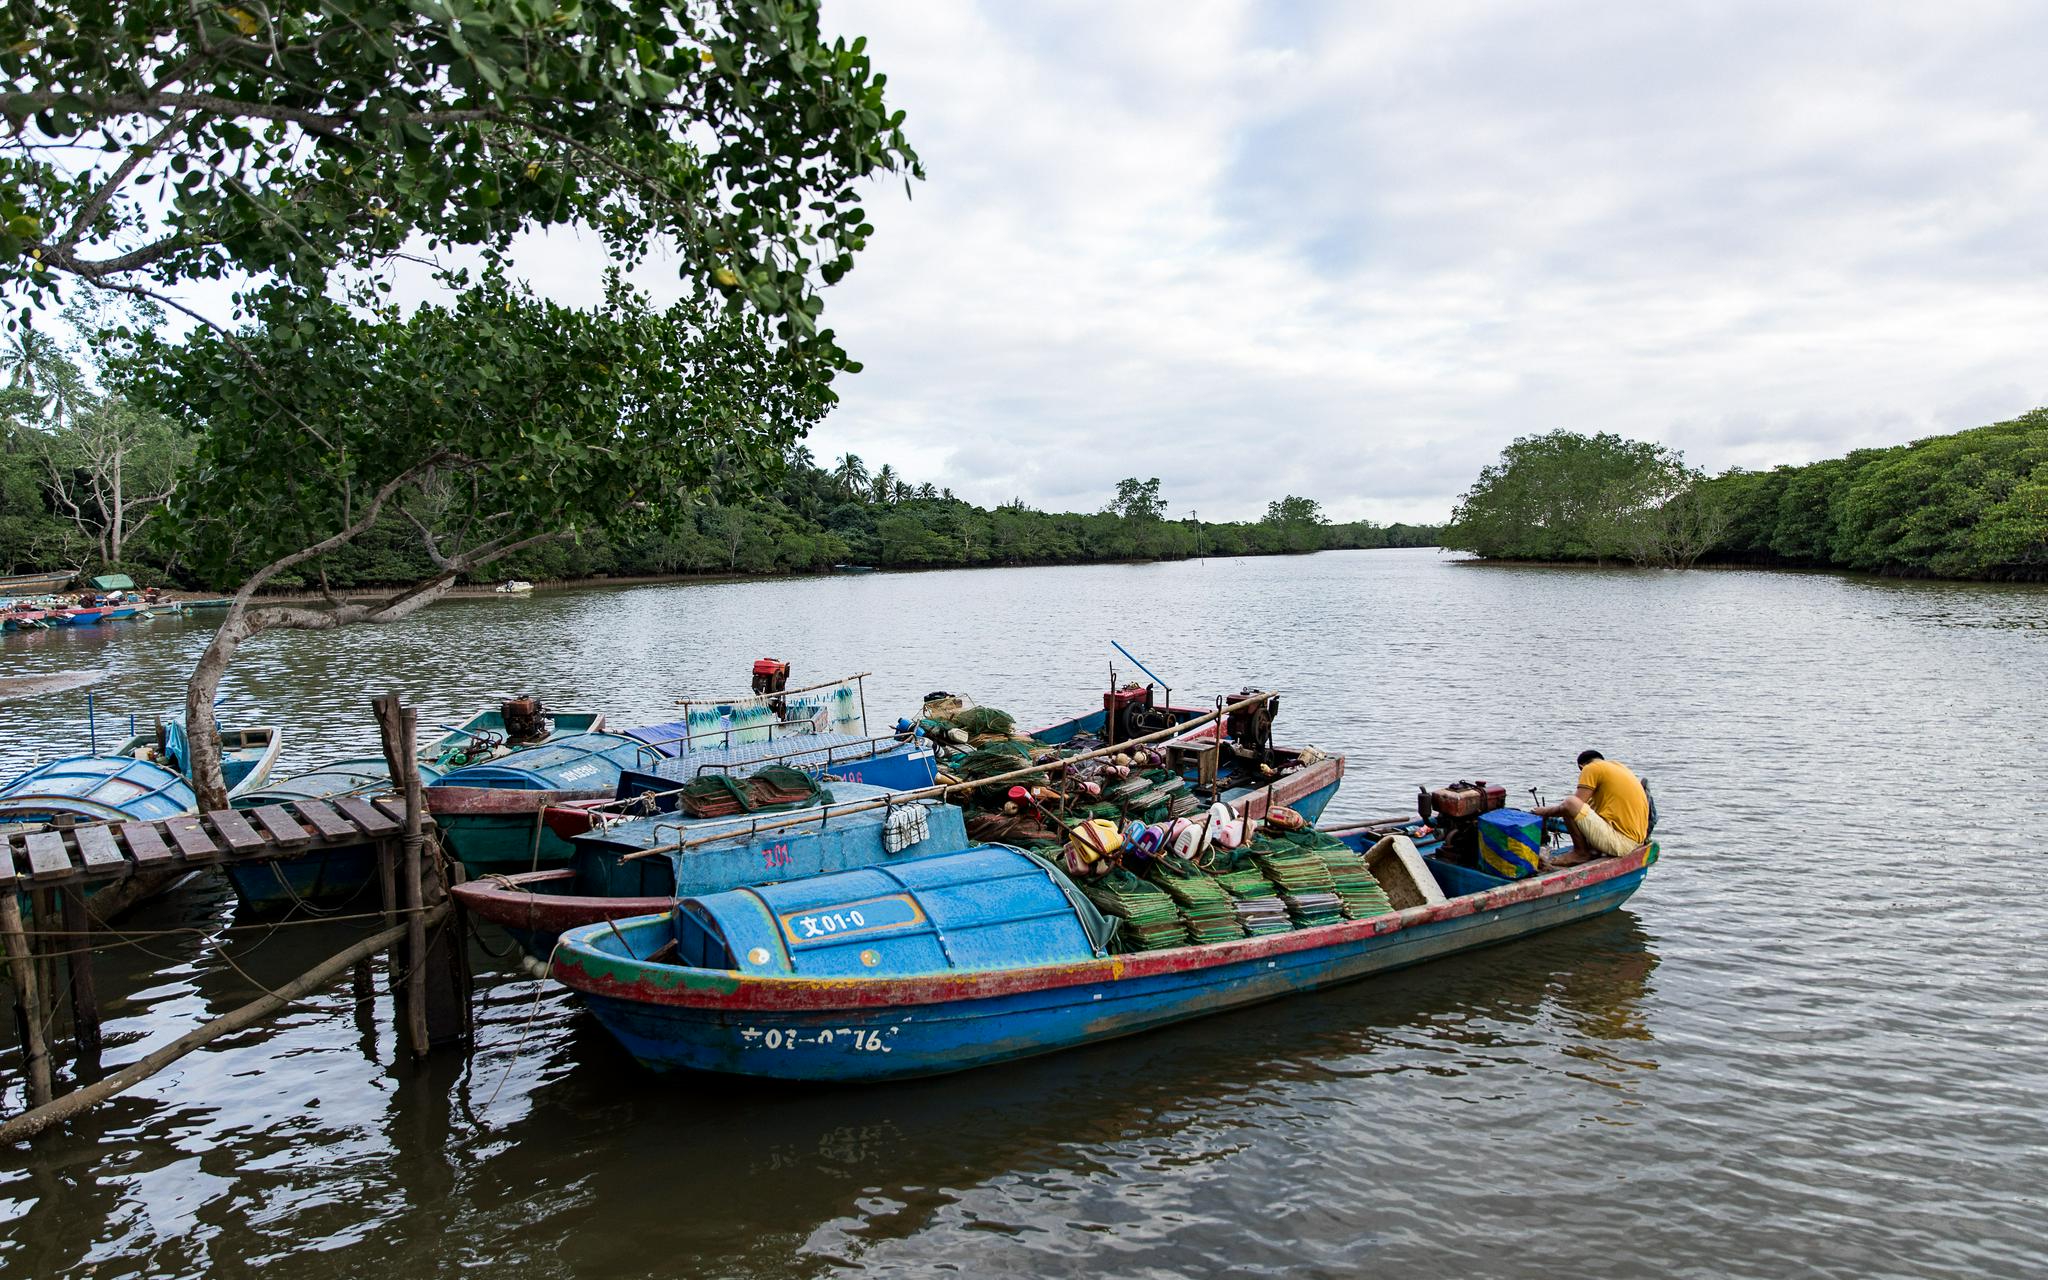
(1809, 1044)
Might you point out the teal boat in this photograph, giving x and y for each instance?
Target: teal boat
(490, 812)
(484, 737)
(322, 879)
(246, 755)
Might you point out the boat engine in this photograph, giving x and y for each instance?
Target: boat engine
(1455, 810)
(1251, 728)
(1130, 712)
(526, 721)
(771, 676)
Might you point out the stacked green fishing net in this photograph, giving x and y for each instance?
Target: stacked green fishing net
(1350, 878)
(1150, 920)
(1210, 912)
(1303, 880)
(1258, 906)
(981, 721)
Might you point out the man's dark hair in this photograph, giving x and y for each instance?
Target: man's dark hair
(1588, 757)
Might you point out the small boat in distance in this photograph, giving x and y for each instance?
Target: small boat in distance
(516, 587)
(35, 584)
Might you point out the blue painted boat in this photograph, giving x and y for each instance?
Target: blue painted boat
(848, 979)
(491, 813)
(483, 737)
(603, 881)
(323, 879)
(94, 788)
(1299, 778)
(246, 755)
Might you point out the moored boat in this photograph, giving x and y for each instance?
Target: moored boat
(94, 788)
(321, 879)
(246, 755)
(965, 960)
(604, 881)
(35, 584)
(490, 812)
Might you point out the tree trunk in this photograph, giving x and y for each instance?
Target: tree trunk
(201, 731)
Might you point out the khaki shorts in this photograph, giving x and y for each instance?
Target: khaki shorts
(1599, 835)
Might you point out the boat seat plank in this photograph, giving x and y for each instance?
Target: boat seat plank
(96, 848)
(281, 826)
(235, 829)
(367, 816)
(330, 825)
(48, 859)
(145, 844)
(190, 837)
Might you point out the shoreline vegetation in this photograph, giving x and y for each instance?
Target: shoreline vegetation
(1971, 505)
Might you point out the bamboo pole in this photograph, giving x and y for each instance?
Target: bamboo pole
(945, 790)
(31, 1123)
(35, 1050)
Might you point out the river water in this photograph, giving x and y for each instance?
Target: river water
(1816, 1042)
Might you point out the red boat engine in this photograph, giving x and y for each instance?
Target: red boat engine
(1455, 810)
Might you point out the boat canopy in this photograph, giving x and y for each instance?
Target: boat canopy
(984, 908)
(96, 787)
(582, 762)
(114, 582)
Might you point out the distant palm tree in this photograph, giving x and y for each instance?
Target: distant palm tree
(37, 364)
(852, 475)
(884, 483)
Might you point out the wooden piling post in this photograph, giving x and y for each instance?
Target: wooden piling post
(28, 1003)
(411, 886)
(85, 1004)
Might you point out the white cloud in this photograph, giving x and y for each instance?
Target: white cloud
(1351, 251)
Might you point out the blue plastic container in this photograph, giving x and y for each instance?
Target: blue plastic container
(979, 909)
(1510, 842)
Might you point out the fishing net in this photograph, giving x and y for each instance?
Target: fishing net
(776, 787)
(1303, 880)
(1258, 905)
(1011, 828)
(1209, 911)
(1150, 920)
(1350, 877)
(986, 720)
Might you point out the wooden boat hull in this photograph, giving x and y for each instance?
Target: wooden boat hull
(497, 832)
(853, 1030)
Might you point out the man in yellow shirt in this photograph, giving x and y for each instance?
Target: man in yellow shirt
(1608, 815)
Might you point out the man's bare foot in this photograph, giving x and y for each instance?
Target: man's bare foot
(1569, 858)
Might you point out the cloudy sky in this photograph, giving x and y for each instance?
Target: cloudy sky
(1351, 250)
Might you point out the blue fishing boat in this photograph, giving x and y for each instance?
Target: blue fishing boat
(1233, 760)
(321, 879)
(94, 788)
(974, 958)
(246, 755)
(611, 876)
(491, 813)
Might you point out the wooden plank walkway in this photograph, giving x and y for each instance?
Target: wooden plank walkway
(96, 853)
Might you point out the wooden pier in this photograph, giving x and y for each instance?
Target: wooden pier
(47, 874)
(66, 857)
